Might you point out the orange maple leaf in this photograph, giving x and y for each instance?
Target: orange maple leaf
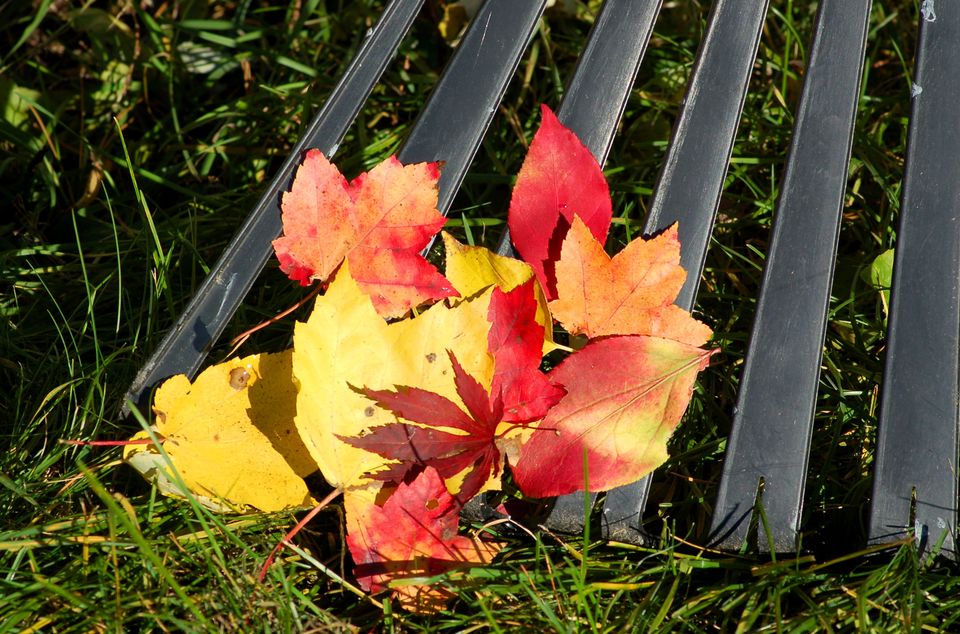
(629, 294)
(381, 220)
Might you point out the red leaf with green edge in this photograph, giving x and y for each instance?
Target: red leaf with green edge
(629, 294)
(625, 395)
(515, 341)
(475, 452)
(413, 535)
(381, 220)
(559, 178)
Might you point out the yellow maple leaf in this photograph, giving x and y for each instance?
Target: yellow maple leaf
(345, 345)
(230, 436)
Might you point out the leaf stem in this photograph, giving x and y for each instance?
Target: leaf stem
(296, 529)
(237, 341)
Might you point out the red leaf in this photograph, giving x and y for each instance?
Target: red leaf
(475, 452)
(515, 341)
(559, 178)
(625, 395)
(414, 534)
(381, 221)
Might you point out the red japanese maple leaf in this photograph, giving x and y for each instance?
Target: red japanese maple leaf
(520, 393)
(474, 451)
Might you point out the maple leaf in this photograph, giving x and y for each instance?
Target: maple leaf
(230, 435)
(515, 341)
(629, 294)
(380, 221)
(413, 535)
(475, 449)
(344, 342)
(559, 178)
(625, 395)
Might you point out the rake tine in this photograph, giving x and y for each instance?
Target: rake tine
(186, 345)
(688, 189)
(915, 482)
(773, 421)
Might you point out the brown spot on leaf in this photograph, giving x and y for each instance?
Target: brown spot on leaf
(239, 378)
(432, 503)
(369, 411)
(431, 357)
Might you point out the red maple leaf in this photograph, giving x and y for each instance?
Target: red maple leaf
(559, 178)
(413, 535)
(381, 220)
(520, 393)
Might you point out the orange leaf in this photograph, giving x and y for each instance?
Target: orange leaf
(630, 294)
(381, 220)
(625, 396)
(414, 534)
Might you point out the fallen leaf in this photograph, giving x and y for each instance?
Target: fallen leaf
(559, 179)
(472, 270)
(629, 294)
(625, 395)
(473, 452)
(456, 16)
(230, 435)
(515, 340)
(410, 539)
(345, 345)
(381, 220)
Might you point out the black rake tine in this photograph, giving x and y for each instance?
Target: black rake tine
(458, 113)
(915, 478)
(187, 343)
(773, 420)
(474, 82)
(691, 180)
(593, 103)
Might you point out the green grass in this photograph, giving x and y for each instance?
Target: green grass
(99, 254)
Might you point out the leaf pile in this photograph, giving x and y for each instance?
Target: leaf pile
(412, 391)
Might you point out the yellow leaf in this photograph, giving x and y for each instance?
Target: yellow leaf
(345, 345)
(474, 269)
(230, 435)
